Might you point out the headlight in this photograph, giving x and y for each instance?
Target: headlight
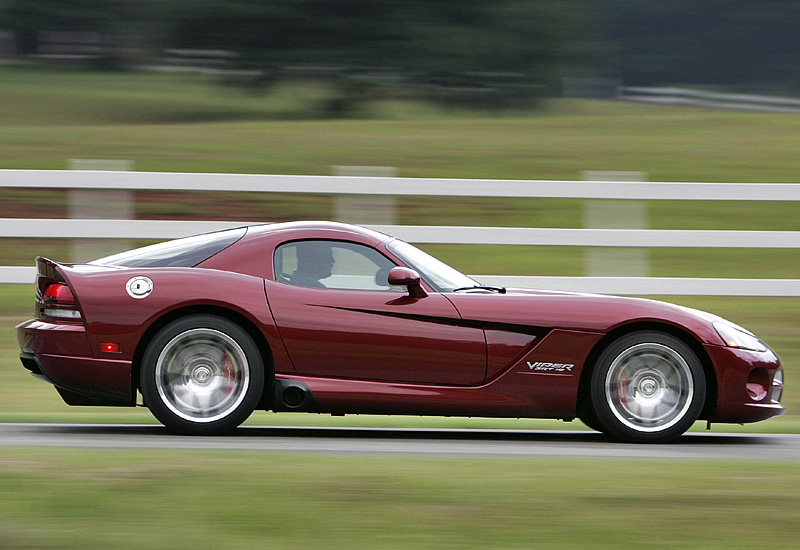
(737, 337)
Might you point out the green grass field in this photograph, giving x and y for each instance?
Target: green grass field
(192, 124)
(86, 499)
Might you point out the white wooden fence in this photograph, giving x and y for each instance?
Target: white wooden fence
(706, 99)
(164, 229)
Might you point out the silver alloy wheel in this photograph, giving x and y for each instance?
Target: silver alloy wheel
(649, 387)
(202, 375)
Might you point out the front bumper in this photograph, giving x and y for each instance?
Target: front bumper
(747, 388)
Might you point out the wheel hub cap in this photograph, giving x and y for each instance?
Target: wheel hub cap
(202, 375)
(649, 387)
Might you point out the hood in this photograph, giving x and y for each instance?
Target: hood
(584, 312)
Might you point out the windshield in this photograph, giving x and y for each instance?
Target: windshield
(436, 273)
(186, 252)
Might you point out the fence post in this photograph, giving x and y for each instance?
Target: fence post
(99, 204)
(365, 209)
(616, 214)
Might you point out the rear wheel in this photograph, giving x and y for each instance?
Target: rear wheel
(202, 374)
(647, 387)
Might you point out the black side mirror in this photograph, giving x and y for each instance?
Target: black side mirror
(403, 276)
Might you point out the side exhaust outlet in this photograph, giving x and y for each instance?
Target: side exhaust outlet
(293, 396)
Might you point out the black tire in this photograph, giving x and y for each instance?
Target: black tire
(591, 421)
(647, 387)
(202, 374)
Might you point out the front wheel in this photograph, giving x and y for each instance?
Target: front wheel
(647, 387)
(202, 374)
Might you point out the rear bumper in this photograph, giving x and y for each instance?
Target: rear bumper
(61, 353)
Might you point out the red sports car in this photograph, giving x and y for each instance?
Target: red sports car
(333, 318)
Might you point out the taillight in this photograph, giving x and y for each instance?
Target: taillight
(59, 301)
(60, 293)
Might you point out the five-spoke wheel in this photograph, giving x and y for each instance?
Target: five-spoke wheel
(647, 387)
(202, 374)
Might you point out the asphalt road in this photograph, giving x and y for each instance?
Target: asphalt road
(426, 442)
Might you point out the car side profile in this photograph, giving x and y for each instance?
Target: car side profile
(333, 318)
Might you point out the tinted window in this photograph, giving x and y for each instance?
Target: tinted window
(186, 252)
(436, 273)
(332, 264)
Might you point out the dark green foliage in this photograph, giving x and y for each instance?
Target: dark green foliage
(753, 45)
(469, 52)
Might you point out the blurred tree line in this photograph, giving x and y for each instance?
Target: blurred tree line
(752, 45)
(502, 51)
(488, 52)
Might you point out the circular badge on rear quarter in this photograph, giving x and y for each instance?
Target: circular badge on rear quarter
(139, 287)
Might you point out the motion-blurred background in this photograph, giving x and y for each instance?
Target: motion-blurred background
(686, 90)
(474, 53)
(550, 90)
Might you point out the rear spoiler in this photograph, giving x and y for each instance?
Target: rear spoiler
(48, 270)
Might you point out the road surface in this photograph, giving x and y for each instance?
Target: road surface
(410, 442)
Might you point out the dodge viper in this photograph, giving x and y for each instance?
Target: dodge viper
(332, 318)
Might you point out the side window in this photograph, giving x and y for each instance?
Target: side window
(332, 264)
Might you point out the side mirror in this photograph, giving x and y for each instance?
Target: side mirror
(403, 276)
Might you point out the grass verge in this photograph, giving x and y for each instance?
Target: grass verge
(138, 499)
(189, 123)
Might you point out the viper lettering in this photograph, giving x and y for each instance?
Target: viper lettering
(550, 367)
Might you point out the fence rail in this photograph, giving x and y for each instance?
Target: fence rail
(702, 98)
(165, 229)
(422, 234)
(345, 185)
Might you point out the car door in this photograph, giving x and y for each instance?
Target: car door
(338, 317)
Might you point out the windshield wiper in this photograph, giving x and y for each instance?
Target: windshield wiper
(498, 289)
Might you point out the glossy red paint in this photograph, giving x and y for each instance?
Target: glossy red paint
(517, 392)
(374, 335)
(733, 367)
(386, 351)
(109, 312)
(580, 311)
(504, 348)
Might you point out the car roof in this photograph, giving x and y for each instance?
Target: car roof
(252, 254)
(314, 229)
